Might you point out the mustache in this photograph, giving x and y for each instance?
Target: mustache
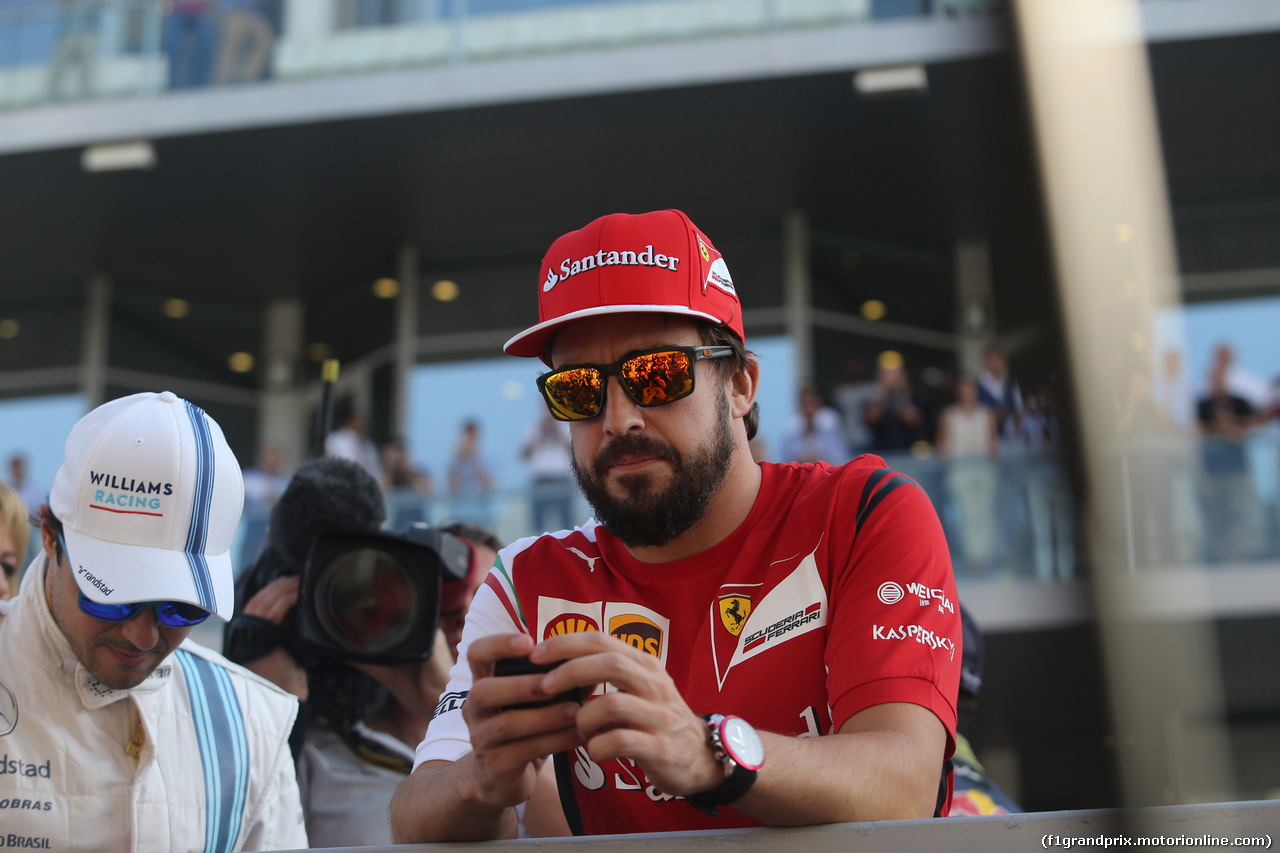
(131, 649)
(633, 445)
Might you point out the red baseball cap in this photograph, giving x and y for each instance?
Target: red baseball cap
(658, 262)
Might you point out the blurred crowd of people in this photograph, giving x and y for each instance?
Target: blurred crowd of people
(988, 455)
(1207, 501)
(890, 413)
(986, 452)
(965, 422)
(204, 42)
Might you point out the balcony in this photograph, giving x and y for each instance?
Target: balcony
(79, 51)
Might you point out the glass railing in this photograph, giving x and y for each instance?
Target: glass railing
(79, 50)
(1005, 518)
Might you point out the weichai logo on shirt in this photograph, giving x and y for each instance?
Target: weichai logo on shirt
(569, 623)
(635, 630)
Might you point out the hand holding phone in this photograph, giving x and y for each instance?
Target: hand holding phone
(505, 667)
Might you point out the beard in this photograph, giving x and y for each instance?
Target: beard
(648, 517)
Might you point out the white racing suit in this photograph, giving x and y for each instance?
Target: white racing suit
(196, 758)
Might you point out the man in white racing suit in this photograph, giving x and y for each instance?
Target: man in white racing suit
(116, 731)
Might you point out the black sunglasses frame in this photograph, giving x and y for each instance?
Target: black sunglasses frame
(694, 353)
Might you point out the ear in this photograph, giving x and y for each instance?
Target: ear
(49, 537)
(743, 386)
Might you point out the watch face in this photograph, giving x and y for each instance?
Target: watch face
(742, 743)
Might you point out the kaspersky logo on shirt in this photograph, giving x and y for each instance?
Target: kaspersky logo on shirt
(129, 495)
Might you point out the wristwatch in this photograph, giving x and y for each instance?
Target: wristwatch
(735, 744)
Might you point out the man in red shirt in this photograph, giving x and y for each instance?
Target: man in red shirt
(760, 644)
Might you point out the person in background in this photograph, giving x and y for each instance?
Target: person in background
(399, 474)
(347, 778)
(456, 595)
(131, 736)
(470, 480)
(245, 39)
(892, 413)
(351, 439)
(406, 486)
(1240, 381)
(1173, 394)
(363, 720)
(1231, 505)
(1175, 397)
(850, 398)
(31, 494)
(934, 393)
(77, 50)
(264, 484)
(967, 443)
(15, 534)
(547, 449)
(815, 433)
(188, 38)
(997, 391)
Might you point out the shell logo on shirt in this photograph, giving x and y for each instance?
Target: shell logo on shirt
(634, 624)
(569, 623)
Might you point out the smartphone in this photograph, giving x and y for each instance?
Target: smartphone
(523, 666)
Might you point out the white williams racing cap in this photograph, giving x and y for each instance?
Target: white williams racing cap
(149, 495)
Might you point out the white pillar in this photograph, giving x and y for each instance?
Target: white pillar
(282, 415)
(406, 338)
(97, 330)
(975, 308)
(798, 290)
(1093, 114)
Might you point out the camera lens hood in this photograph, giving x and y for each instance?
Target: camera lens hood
(371, 597)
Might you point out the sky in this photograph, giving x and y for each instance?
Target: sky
(1251, 326)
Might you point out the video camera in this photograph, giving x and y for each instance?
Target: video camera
(364, 597)
(375, 597)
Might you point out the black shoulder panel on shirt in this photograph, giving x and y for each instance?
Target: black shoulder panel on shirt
(887, 480)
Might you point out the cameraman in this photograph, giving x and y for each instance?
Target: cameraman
(361, 721)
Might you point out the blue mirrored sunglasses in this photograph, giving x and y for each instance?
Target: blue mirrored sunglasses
(173, 614)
